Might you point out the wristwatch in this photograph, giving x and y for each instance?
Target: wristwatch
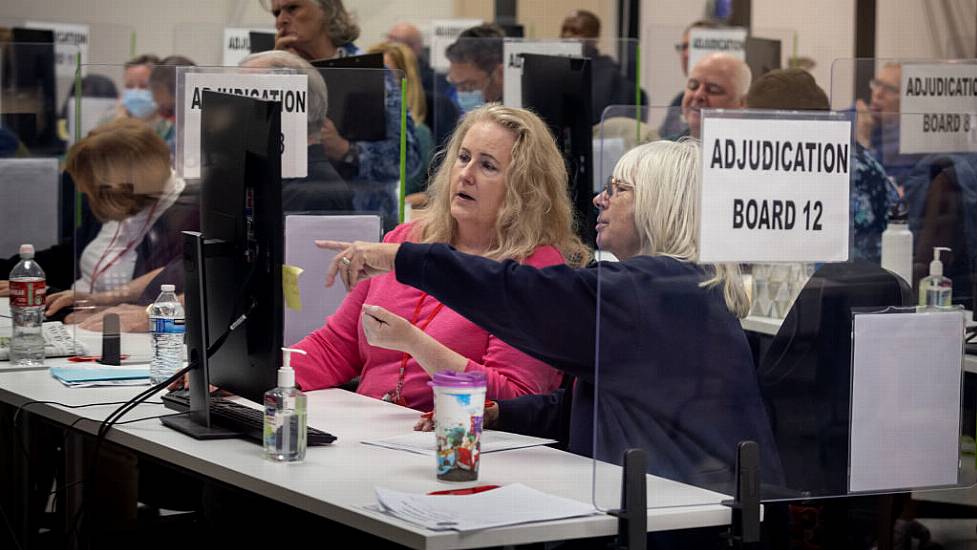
(349, 165)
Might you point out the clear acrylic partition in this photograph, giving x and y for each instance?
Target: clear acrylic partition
(361, 107)
(488, 69)
(34, 207)
(682, 383)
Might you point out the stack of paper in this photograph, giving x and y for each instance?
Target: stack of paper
(100, 375)
(510, 505)
(491, 441)
(58, 342)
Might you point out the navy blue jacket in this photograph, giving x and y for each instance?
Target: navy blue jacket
(676, 376)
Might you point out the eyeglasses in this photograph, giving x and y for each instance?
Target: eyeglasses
(681, 47)
(877, 85)
(710, 88)
(614, 186)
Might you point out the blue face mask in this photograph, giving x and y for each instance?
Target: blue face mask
(468, 101)
(139, 102)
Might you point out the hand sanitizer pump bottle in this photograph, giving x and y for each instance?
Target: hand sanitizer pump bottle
(936, 290)
(285, 428)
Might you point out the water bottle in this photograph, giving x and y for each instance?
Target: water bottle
(27, 291)
(166, 322)
(897, 244)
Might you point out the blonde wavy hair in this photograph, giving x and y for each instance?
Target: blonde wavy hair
(667, 179)
(536, 209)
(404, 60)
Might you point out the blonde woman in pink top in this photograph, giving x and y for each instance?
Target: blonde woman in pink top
(501, 192)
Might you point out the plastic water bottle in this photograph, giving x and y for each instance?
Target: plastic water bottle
(166, 322)
(27, 292)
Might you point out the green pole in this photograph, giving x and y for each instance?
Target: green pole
(403, 145)
(637, 92)
(77, 132)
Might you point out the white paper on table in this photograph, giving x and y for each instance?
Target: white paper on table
(510, 505)
(491, 442)
(905, 413)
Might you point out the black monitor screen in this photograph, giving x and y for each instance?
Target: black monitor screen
(558, 89)
(241, 210)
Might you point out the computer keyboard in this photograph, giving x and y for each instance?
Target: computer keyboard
(247, 421)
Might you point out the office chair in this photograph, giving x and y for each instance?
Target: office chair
(805, 376)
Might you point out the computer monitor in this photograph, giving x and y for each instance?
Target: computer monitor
(234, 265)
(27, 80)
(558, 89)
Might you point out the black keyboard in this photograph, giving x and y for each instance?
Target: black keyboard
(247, 421)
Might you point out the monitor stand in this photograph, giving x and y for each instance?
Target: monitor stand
(196, 422)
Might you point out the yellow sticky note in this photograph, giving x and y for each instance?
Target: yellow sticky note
(290, 286)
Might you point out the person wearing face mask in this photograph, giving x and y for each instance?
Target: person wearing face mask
(475, 66)
(718, 81)
(136, 100)
(162, 85)
(500, 193)
(138, 208)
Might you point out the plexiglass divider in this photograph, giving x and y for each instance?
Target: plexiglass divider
(678, 379)
(492, 69)
(126, 241)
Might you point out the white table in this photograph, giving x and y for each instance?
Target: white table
(337, 482)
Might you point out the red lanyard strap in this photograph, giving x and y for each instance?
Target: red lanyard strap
(395, 395)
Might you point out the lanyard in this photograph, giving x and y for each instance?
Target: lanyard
(394, 396)
(96, 272)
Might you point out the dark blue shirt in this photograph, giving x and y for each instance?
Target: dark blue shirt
(675, 372)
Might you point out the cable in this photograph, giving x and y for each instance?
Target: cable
(13, 534)
(152, 417)
(115, 416)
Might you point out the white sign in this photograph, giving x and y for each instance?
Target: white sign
(905, 400)
(703, 42)
(290, 89)
(512, 75)
(69, 39)
(237, 44)
(774, 190)
(444, 32)
(938, 109)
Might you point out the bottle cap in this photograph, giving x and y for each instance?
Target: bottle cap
(936, 266)
(26, 251)
(899, 213)
(286, 376)
(167, 288)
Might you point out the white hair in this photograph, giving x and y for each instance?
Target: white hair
(667, 183)
(318, 94)
(741, 73)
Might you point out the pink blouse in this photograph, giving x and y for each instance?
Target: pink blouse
(338, 351)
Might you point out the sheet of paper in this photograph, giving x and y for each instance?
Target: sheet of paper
(290, 286)
(492, 441)
(58, 341)
(905, 410)
(318, 302)
(510, 505)
(98, 373)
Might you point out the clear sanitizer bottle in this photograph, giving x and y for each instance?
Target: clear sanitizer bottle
(285, 428)
(936, 290)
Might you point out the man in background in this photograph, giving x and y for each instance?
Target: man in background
(673, 125)
(610, 86)
(717, 81)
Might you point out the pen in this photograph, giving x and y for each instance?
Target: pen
(467, 491)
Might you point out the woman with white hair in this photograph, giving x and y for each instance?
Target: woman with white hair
(675, 370)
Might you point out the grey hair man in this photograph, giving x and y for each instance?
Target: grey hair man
(717, 81)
